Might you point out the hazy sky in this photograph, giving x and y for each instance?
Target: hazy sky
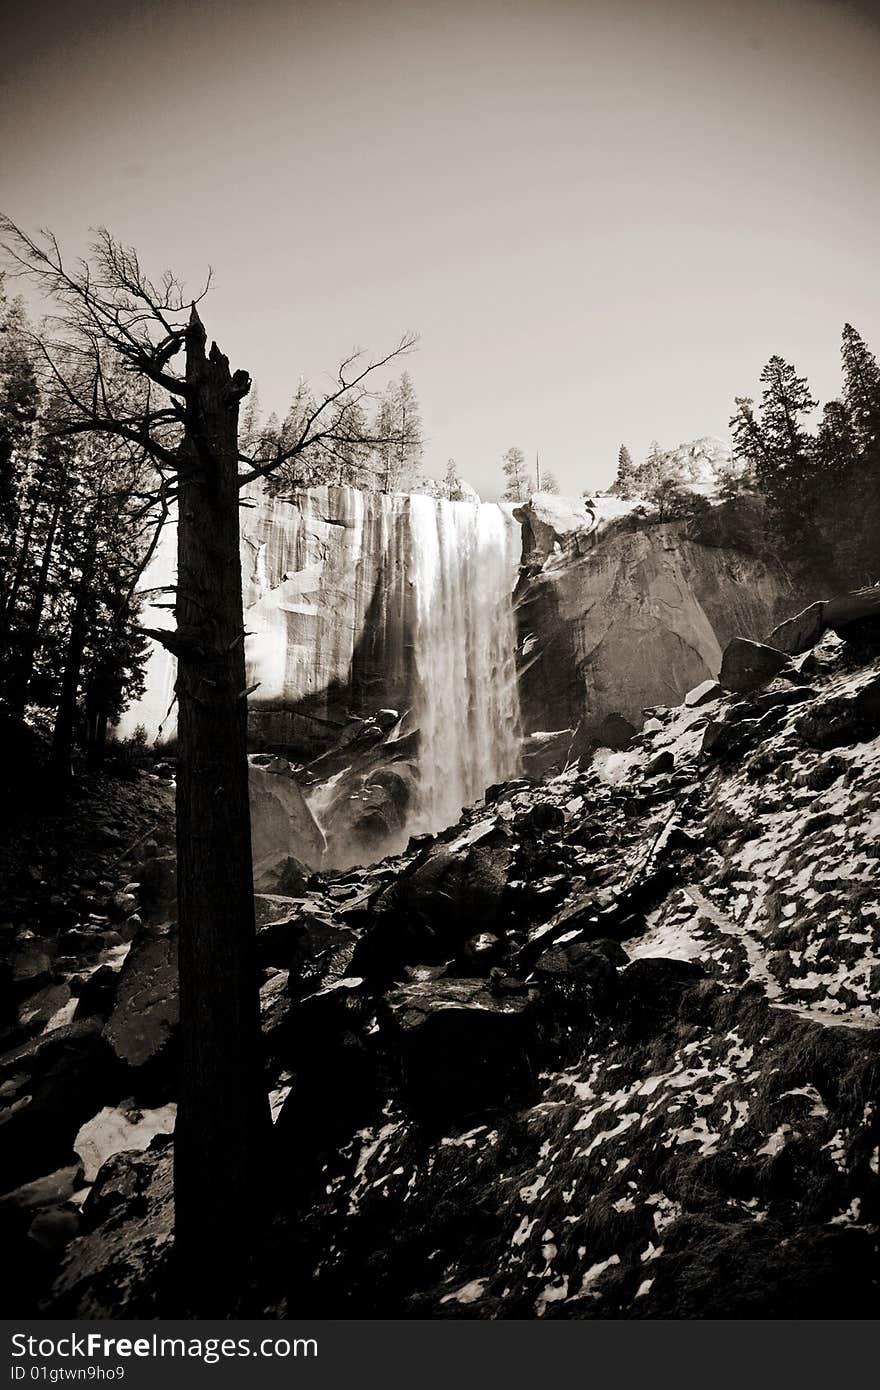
(602, 217)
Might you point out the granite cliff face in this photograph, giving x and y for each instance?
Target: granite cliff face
(615, 620)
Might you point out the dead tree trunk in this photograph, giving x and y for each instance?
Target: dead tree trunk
(223, 1124)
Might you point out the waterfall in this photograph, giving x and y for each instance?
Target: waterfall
(464, 560)
(354, 601)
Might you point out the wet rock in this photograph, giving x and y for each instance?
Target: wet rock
(272, 907)
(581, 965)
(455, 889)
(38, 1009)
(32, 964)
(55, 1228)
(746, 665)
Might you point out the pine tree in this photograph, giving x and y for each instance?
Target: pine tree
(788, 457)
(653, 471)
(518, 486)
(861, 390)
(625, 484)
(748, 441)
(408, 425)
(549, 483)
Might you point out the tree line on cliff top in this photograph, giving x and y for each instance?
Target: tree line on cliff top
(814, 490)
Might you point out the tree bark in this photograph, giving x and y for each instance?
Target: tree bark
(223, 1123)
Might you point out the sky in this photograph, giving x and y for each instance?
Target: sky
(601, 216)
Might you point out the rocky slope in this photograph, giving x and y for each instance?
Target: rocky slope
(607, 1048)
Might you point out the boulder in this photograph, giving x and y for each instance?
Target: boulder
(97, 993)
(117, 1266)
(462, 1047)
(663, 762)
(800, 633)
(615, 732)
(331, 1039)
(746, 665)
(546, 751)
(455, 887)
(281, 822)
(142, 1028)
(702, 694)
(50, 1087)
(855, 618)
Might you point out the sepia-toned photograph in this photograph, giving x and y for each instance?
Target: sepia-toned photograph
(439, 664)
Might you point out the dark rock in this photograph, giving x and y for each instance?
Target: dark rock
(332, 1042)
(142, 1028)
(455, 888)
(547, 751)
(52, 1190)
(855, 617)
(662, 762)
(51, 1086)
(851, 717)
(653, 989)
(544, 815)
(746, 666)
(272, 907)
(462, 1047)
(120, 1260)
(158, 880)
(582, 965)
(614, 732)
(800, 633)
(783, 696)
(37, 1010)
(97, 993)
(723, 737)
(32, 964)
(55, 1228)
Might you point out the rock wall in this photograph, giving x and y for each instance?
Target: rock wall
(328, 610)
(616, 620)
